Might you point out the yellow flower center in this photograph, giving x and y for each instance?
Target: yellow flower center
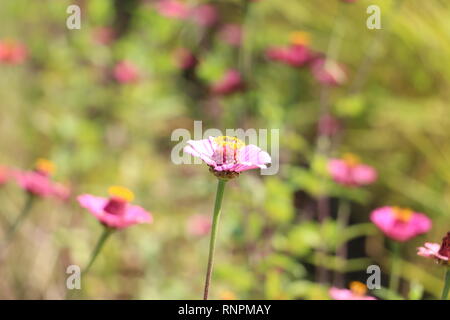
(232, 142)
(45, 166)
(402, 214)
(358, 288)
(300, 38)
(351, 159)
(227, 150)
(121, 193)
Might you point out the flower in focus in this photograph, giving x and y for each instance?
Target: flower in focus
(230, 83)
(328, 72)
(441, 253)
(12, 52)
(350, 171)
(126, 72)
(357, 291)
(172, 9)
(199, 225)
(400, 224)
(231, 34)
(228, 156)
(115, 211)
(297, 54)
(185, 59)
(39, 183)
(204, 15)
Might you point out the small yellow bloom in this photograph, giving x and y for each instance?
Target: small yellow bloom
(121, 193)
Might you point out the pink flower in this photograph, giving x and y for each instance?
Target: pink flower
(350, 172)
(12, 52)
(400, 224)
(126, 72)
(104, 35)
(172, 9)
(328, 72)
(357, 292)
(329, 125)
(39, 183)
(231, 83)
(231, 34)
(294, 55)
(441, 253)
(4, 175)
(228, 156)
(115, 211)
(204, 15)
(199, 225)
(186, 59)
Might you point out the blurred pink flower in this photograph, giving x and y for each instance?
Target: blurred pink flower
(436, 251)
(329, 125)
(231, 34)
(39, 183)
(400, 224)
(5, 175)
(115, 211)
(172, 9)
(357, 292)
(350, 172)
(204, 15)
(126, 72)
(328, 72)
(186, 59)
(295, 55)
(12, 52)
(199, 225)
(228, 156)
(104, 35)
(230, 83)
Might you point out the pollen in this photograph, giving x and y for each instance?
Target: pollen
(121, 193)
(231, 142)
(358, 288)
(351, 159)
(402, 214)
(300, 38)
(45, 166)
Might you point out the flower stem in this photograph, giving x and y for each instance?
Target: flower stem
(101, 241)
(394, 280)
(212, 241)
(26, 209)
(446, 285)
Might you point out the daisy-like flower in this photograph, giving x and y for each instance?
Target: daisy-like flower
(39, 182)
(231, 82)
(357, 291)
(350, 171)
(228, 156)
(116, 211)
(400, 224)
(441, 253)
(12, 52)
(126, 72)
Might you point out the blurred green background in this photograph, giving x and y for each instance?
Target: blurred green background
(62, 104)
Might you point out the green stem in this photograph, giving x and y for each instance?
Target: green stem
(101, 241)
(394, 280)
(212, 241)
(23, 214)
(446, 285)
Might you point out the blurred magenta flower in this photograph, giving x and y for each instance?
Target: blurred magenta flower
(400, 224)
(297, 54)
(126, 72)
(350, 171)
(116, 211)
(328, 72)
(172, 9)
(199, 225)
(39, 182)
(185, 59)
(329, 125)
(232, 34)
(12, 52)
(357, 291)
(104, 35)
(231, 82)
(228, 156)
(441, 253)
(204, 15)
